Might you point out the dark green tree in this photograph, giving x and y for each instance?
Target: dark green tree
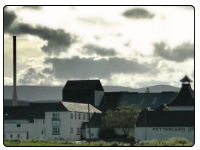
(123, 117)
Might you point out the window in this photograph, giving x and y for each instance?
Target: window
(11, 136)
(71, 115)
(56, 116)
(56, 131)
(56, 123)
(18, 135)
(42, 132)
(83, 116)
(79, 115)
(78, 131)
(18, 125)
(71, 130)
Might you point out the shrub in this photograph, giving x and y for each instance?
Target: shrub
(107, 133)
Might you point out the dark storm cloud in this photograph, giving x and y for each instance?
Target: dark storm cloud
(179, 54)
(94, 49)
(32, 7)
(9, 18)
(138, 13)
(88, 67)
(57, 39)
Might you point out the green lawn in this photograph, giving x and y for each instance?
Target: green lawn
(61, 143)
(170, 142)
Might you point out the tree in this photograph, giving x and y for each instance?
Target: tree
(123, 117)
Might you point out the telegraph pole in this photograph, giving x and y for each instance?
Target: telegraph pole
(89, 122)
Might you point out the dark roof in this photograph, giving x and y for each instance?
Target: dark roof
(110, 100)
(184, 98)
(83, 85)
(37, 110)
(186, 79)
(34, 110)
(166, 119)
(153, 100)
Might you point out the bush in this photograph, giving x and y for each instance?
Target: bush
(107, 133)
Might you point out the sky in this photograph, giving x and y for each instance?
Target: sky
(132, 46)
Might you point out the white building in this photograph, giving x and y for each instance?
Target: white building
(61, 120)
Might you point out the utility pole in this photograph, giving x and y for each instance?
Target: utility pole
(89, 121)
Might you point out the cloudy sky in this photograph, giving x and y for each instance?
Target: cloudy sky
(125, 46)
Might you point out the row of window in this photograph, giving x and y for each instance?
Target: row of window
(75, 115)
(78, 131)
(56, 131)
(78, 116)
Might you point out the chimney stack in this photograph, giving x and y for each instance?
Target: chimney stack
(14, 100)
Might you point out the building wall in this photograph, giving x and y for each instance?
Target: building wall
(148, 133)
(98, 95)
(94, 132)
(69, 126)
(23, 129)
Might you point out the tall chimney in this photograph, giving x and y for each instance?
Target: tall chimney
(14, 100)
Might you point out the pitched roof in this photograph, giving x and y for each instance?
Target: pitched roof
(184, 98)
(33, 110)
(152, 100)
(166, 119)
(83, 84)
(37, 110)
(186, 79)
(80, 107)
(113, 99)
(109, 100)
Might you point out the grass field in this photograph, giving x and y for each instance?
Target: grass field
(169, 142)
(61, 143)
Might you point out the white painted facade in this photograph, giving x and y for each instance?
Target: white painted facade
(149, 133)
(66, 125)
(23, 129)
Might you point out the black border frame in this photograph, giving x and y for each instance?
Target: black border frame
(100, 6)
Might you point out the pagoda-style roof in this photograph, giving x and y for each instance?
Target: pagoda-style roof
(186, 79)
(184, 98)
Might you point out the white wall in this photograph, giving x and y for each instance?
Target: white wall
(30, 130)
(148, 133)
(65, 125)
(42, 128)
(98, 95)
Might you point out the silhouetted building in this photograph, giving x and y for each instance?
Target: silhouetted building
(83, 91)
